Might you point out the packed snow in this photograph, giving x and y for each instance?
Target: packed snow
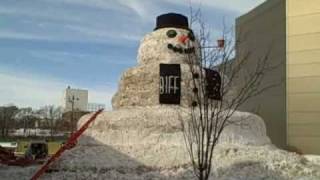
(106, 152)
(231, 162)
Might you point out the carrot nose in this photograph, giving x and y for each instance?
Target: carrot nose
(183, 39)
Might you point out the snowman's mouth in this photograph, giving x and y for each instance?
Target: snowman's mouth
(181, 50)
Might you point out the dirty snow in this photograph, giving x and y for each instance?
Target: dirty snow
(231, 162)
(106, 152)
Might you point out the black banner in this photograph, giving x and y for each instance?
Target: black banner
(213, 84)
(170, 84)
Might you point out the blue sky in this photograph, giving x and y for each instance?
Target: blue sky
(46, 45)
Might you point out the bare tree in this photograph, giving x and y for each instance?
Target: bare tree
(7, 121)
(211, 108)
(26, 118)
(51, 114)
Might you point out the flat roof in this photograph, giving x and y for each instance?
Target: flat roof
(260, 9)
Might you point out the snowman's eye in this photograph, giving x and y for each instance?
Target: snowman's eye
(191, 36)
(171, 33)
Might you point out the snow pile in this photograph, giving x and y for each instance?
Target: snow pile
(231, 162)
(245, 129)
(151, 136)
(147, 143)
(17, 173)
(313, 158)
(262, 162)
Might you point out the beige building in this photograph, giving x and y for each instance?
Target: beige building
(291, 30)
(75, 99)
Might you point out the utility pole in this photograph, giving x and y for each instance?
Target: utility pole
(72, 100)
(25, 119)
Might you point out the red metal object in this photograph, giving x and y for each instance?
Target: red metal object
(70, 143)
(221, 43)
(5, 154)
(23, 162)
(8, 158)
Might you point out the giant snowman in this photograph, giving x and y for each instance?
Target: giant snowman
(140, 131)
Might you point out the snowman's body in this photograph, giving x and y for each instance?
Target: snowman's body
(139, 86)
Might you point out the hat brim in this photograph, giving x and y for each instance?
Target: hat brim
(171, 26)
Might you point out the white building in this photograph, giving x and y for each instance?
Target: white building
(76, 99)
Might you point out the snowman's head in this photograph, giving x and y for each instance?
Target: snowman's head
(169, 43)
(180, 41)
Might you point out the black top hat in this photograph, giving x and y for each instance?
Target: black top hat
(172, 20)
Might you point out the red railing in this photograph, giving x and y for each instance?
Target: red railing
(69, 144)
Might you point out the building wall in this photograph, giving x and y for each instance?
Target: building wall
(259, 31)
(303, 68)
(80, 99)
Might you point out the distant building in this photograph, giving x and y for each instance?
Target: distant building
(291, 30)
(76, 99)
(31, 132)
(95, 107)
(75, 104)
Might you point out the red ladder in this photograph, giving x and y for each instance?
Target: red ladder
(70, 143)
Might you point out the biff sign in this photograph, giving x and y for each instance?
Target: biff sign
(170, 84)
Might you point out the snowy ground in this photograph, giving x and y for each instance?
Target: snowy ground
(245, 153)
(231, 163)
